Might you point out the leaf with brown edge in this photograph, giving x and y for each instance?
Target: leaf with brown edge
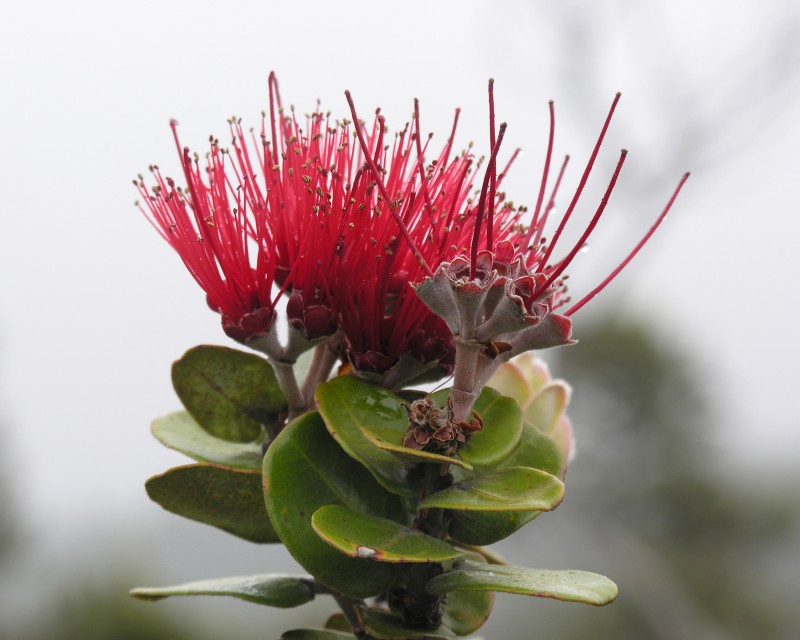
(392, 441)
(571, 586)
(360, 535)
(513, 489)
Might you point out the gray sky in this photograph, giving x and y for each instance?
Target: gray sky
(95, 306)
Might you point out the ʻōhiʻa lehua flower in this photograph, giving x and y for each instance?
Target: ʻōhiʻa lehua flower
(503, 296)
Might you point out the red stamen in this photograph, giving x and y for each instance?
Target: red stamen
(273, 91)
(421, 160)
(545, 174)
(493, 170)
(550, 204)
(505, 170)
(589, 296)
(482, 202)
(587, 232)
(582, 183)
(379, 180)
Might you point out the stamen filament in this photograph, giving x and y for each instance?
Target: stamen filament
(379, 180)
(587, 232)
(482, 202)
(545, 174)
(492, 170)
(582, 183)
(589, 296)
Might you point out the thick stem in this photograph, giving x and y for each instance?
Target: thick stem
(350, 610)
(418, 607)
(463, 393)
(325, 355)
(284, 372)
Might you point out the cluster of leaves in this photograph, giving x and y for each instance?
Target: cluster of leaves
(394, 534)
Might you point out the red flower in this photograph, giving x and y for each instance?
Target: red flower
(210, 225)
(402, 215)
(501, 297)
(341, 228)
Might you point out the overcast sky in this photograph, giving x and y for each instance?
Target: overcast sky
(95, 306)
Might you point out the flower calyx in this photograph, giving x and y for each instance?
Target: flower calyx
(501, 307)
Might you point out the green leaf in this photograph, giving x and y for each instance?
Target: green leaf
(514, 489)
(337, 622)
(486, 509)
(347, 404)
(269, 589)
(181, 432)
(392, 441)
(316, 634)
(230, 393)
(229, 499)
(467, 611)
(486, 527)
(570, 586)
(502, 427)
(537, 451)
(306, 469)
(359, 535)
(388, 626)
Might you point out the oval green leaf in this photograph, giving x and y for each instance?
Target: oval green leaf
(181, 432)
(305, 469)
(229, 499)
(392, 441)
(230, 393)
(514, 489)
(502, 427)
(487, 527)
(467, 611)
(359, 535)
(570, 586)
(537, 451)
(489, 508)
(347, 404)
(268, 589)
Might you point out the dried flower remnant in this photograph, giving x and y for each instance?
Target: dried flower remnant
(433, 429)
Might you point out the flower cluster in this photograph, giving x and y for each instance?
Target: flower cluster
(340, 218)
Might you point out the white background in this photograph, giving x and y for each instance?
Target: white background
(94, 307)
